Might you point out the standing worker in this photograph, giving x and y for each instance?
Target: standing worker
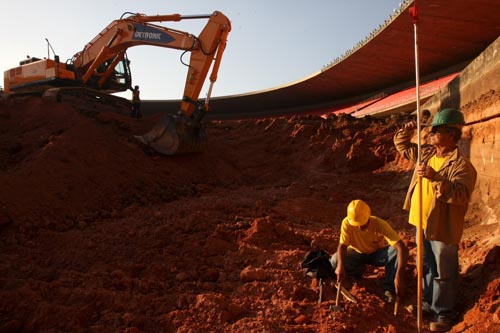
(367, 239)
(136, 103)
(448, 179)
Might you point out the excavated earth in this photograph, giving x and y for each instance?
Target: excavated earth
(101, 234)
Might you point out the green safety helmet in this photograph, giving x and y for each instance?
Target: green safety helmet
(358, 213)
(448, 117)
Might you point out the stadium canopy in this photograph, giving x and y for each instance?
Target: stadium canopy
(451, 33)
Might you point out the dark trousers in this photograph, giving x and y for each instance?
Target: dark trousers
(136, 110)
(440, 280)
(355, 264)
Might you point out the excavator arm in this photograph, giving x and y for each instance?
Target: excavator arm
(96, 62)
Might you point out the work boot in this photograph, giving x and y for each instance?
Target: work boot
(426, 309)
(441, 325)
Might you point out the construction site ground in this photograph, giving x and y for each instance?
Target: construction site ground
(101, 234)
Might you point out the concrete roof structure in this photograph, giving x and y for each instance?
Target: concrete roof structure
(451, 33)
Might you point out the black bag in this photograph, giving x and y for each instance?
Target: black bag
(318, 265)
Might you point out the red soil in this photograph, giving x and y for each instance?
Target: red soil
(99, 234)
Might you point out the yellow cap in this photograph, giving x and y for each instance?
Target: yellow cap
(358, 213)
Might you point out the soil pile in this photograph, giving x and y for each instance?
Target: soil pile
(100, 234)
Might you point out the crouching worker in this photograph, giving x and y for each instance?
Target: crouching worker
(369, 240)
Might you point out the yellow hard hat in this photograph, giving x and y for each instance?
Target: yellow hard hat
(358, 213)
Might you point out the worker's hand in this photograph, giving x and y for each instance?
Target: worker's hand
(400, 287)
(425, 171)
(410, 126)
(340, 272)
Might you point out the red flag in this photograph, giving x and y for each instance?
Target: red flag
(414, 12)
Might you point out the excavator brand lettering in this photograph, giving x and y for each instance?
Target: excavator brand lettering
(151, 34)
(147, 35)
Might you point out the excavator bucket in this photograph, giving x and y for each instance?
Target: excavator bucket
(175, 134)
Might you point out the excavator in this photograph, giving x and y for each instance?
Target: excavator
(102, 68)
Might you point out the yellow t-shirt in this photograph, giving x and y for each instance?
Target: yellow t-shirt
(427, 194)
(377, 235)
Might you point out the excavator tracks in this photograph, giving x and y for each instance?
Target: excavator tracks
(89, 100)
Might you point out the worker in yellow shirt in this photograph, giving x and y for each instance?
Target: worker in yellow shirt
(447, 181)
(366, 239)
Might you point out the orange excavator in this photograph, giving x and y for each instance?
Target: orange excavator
(102, 68)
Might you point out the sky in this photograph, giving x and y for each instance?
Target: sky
(272, 42)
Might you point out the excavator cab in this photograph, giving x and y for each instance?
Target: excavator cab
(120, 79)
(116, 74)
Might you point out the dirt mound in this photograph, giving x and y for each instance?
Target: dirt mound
(100, 234)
